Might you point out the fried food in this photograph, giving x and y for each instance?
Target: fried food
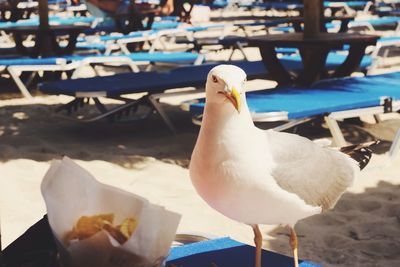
(115, 233)
(128, 226)
(87, 226)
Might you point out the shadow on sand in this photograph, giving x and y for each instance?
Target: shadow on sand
(36, 132)
(362, 230)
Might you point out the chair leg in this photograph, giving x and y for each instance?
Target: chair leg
(164, 116)
(338, 138)
(241, 48)
(21, 86)
(395, 147)
(31, 78)
(377, 118)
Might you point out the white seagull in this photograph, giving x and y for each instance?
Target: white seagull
(259, 176)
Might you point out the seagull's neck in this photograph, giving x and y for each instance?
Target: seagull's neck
(220, 121)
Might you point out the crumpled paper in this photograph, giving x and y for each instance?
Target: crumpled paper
(71, 192)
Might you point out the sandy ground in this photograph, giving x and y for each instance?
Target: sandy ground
(143, 157)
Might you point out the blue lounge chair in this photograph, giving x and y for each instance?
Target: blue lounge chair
(293, 62)
(111, 27)
(274, 5)
(375, 58)
(225, 252)
(370, 24)
(291, 59)
(333, 99)
(74, 63)
(153, 83)
(15, 66)
(349, 7)
(374, 23)
(119, 42)
(53, 20)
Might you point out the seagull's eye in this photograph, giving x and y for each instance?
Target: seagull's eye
(214, 79)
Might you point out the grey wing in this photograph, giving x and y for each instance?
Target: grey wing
(317, 175)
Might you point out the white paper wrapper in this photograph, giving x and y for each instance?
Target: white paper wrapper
(71, 192)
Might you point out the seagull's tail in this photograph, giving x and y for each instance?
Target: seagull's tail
(361, 153)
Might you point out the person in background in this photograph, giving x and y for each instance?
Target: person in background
(123, 14)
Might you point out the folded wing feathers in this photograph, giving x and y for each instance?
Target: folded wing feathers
(361, 153)
(317, 175)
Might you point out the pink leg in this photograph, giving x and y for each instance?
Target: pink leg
(258, 243)
(293, 244)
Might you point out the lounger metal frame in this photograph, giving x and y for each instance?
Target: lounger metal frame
(125, 111)
(381, 61)
(64, 66)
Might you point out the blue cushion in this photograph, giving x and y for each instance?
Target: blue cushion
(90, 46)
(226, 252)
(284, 29)
(323, 97)
(105, 38)
(144, 56)
(70, 20)
(202, 28)
(164, 56)
(152, 82)
(329, 25)
(348, 3)
(286, 50)
(162, 25)
(267, 23)
(53, 20)
(333, 61)
(377, 22)
(30, 61)
(169, 18)
(279, 5)
(389, 39)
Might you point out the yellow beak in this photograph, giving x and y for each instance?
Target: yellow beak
(234, 97)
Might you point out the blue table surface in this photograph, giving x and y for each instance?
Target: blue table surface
(226, 252)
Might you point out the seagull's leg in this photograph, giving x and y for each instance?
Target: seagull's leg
(258, 243)
(293, 244)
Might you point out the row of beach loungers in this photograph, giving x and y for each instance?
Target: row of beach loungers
(112, 48)
(333, 99)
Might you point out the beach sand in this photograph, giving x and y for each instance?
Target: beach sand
(145, 158)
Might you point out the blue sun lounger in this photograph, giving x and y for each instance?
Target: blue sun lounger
(333, 60)
(73, 63)
(153, 83)
(373, 24)
(370, 24)
(290, 60)
(118, 42)
(332, 99)
(348, 6)
(53, 20)
(376, 58)
(226, 252)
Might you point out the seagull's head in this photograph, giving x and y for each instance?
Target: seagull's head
(225, 84)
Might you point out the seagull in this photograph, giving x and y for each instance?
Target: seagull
(259, 176)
